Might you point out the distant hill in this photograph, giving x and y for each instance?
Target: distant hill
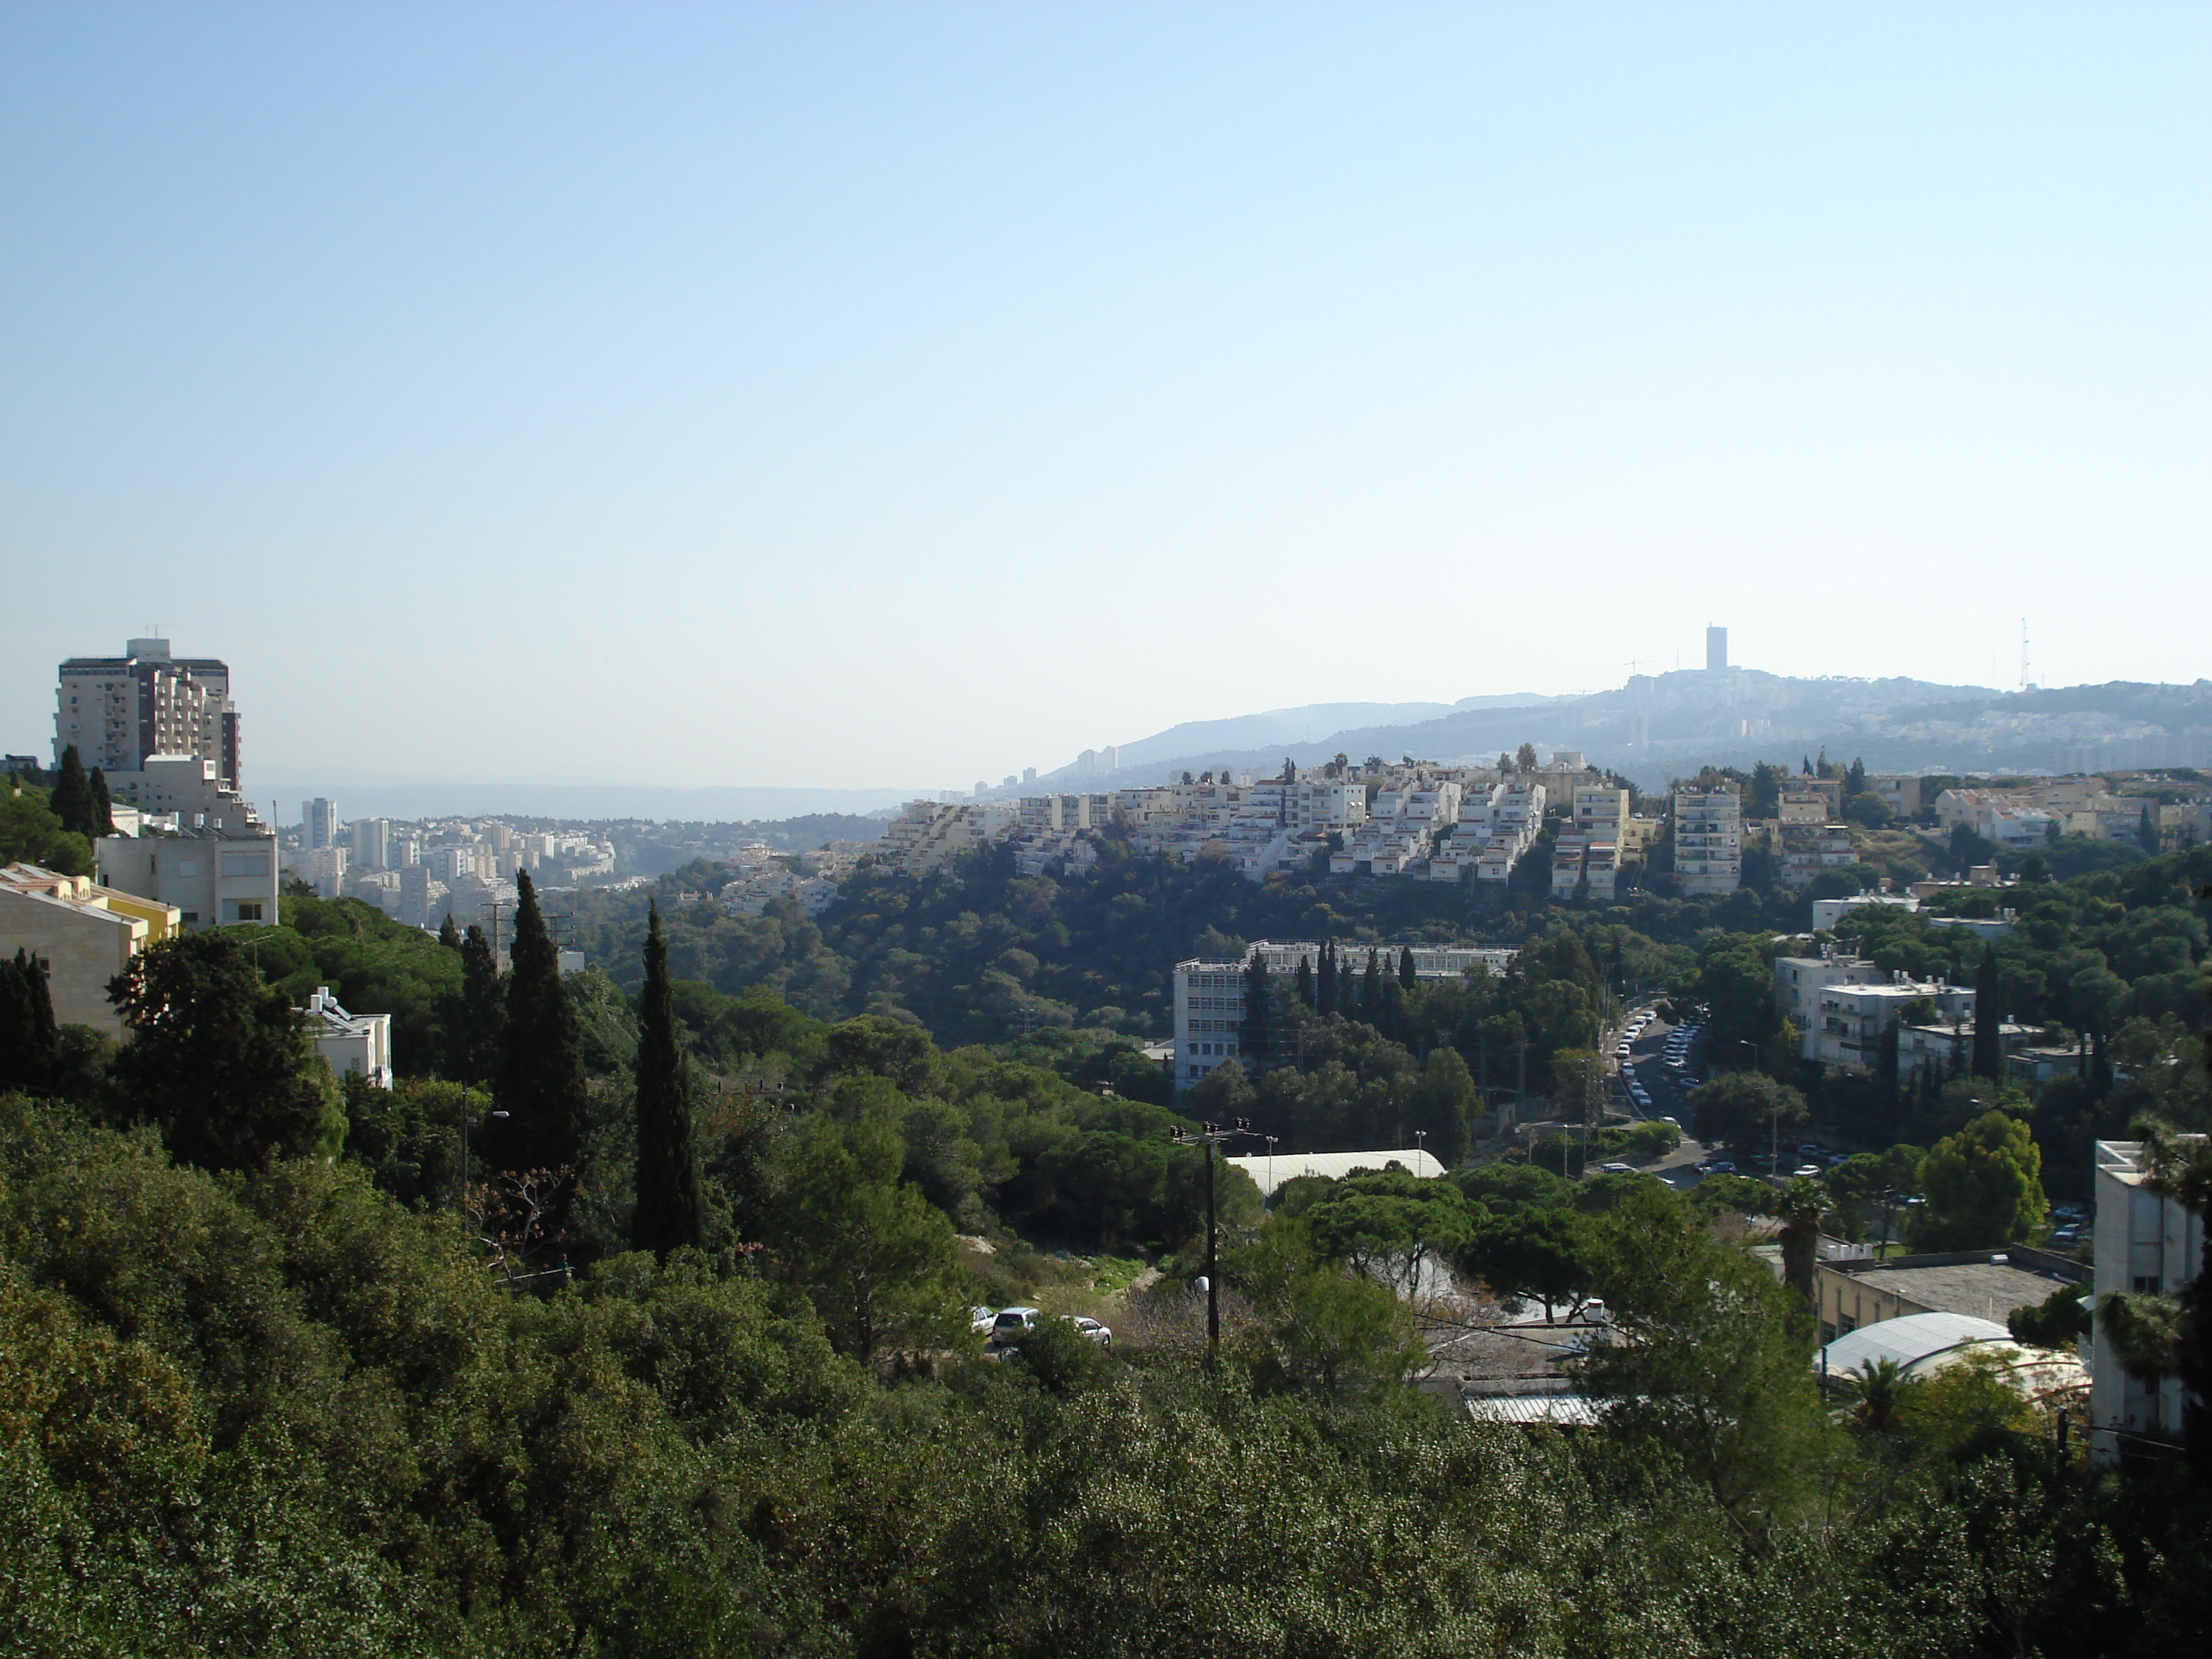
(1658, 725)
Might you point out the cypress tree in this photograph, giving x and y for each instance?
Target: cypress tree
(29, 1045)
(1370, 990)
(479, 1037)
(1252, 1035)
(103, 804)
(1989, 1045)
(542, 1083)
(71, 801)
(1407, 977)
(1305, 982)
(670, 1210)
(1327, 990)
(448, 935)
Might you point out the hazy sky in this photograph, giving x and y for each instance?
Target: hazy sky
(817, 394)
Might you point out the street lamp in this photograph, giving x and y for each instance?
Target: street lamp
(1211, 1135)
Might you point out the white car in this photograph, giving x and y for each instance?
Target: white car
(1617, 1169)
(1804, 1170)
(1092, 1328)
(979, 1320)
(1011, 1324)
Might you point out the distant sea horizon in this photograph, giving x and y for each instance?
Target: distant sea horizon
(372, 795)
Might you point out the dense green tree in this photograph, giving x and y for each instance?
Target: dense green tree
(31, 833)
(476, 1026)
(72, 801)
(1325, 1331)
(449, 933)
(1390, 1225)
(1713, 1364)
(879, 1263)
(30, 1047)
(671, 1209)
(103, 805)
(1745, 1109)
(1983, 1187)
(1988, 1044)
(542, 1083)
(1541, 1254)
(220, 1059)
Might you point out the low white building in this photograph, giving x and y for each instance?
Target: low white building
(351, 1045)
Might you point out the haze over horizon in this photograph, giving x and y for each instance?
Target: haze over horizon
(816, 396)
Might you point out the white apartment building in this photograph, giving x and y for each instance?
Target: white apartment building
(184, 786)
(2147, 1244)
(1708, 842)
(119, 710)
(1801, 981)
(1850, 1020)
(215, 875)
(1209, 996)
(1827, 912)
(318, 823)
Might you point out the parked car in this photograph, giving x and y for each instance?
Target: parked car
(980, 1320)
(1718, 1166)
(1804, 1170)
(1617, 1169)
(2069, 1234)
(1092, 1328)
(1012, 1324)
(1676, 1121)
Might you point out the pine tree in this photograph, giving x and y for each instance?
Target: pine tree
(29, 1044)
(72, 800)
(670, 1212)
(1988, 1044)
(1406, 976)
(542, 1086)
(103, 804)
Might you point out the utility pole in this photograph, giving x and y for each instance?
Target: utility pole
(493, 906)
(1210, 1136)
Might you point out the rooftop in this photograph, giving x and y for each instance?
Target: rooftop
(1983, 1288)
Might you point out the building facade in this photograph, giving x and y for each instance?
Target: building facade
(215, 876)
(2147, 1244)
(118, 711)
(82, 933)
(1708, 842)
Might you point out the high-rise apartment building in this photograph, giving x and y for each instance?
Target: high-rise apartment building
(1708, 842)
(1715, 650)
(372, 843)
(119, 710)
(318, 821)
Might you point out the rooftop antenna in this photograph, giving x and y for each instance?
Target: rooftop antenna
(2026, 684)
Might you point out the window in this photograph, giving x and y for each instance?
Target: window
(2147, 1284)
(247, 909)
(245, 864)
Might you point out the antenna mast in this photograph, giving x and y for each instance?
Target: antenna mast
(2026, 684)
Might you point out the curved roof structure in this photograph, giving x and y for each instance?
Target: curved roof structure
(1925, 1344)
(1271, 1172)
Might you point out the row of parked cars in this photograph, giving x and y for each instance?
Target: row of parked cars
(1004, 1327)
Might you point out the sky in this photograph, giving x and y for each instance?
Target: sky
(898, 395)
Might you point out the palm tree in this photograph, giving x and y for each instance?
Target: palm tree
(1799, 1207)
(1880, 1391)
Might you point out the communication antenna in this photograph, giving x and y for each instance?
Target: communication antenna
(2026, 684)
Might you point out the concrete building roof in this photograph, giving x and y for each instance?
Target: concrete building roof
(1986, 1289)
(1925, 1344)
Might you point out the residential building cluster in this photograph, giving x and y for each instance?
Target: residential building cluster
(1448, 824)
(2022, 815)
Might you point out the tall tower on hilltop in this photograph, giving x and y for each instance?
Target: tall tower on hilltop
(119, 710)
(1715, 650)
